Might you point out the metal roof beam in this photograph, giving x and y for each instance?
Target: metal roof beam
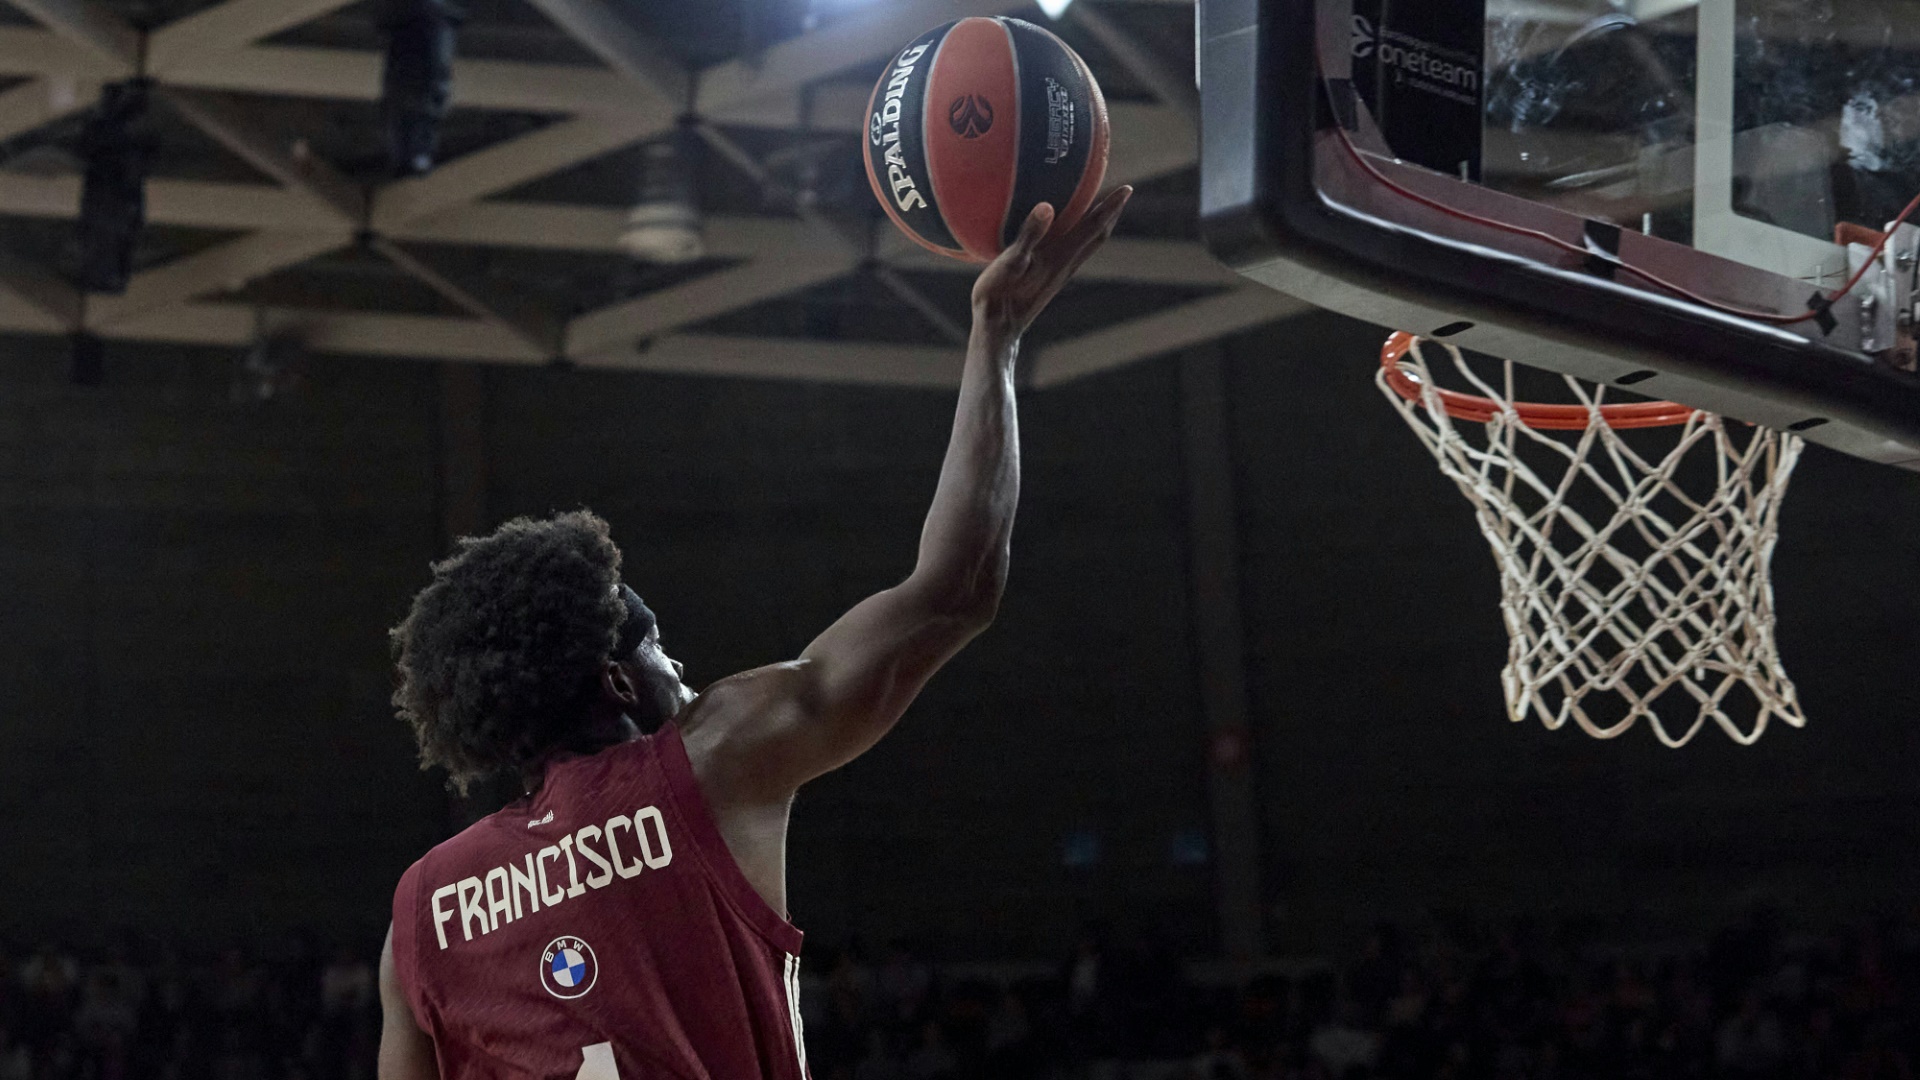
(705, 297)
(109, 37)
(40, 102)
(1162, 332)
(624, 49)
(308, 177)
(440, 337)
(862, 362)
(224, 27)
(226, 266)
(1170, 87)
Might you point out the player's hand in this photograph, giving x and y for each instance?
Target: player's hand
(1016, 286)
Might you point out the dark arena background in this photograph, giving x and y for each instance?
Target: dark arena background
(1227, 789)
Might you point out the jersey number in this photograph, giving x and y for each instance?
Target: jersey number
(596, 1063)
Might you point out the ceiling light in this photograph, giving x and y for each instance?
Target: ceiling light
(1055, 8)
(664, 224)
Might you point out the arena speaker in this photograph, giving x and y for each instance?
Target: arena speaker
(976, 122)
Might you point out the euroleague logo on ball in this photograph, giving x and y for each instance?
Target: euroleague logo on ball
(567, 967)
(971, 116)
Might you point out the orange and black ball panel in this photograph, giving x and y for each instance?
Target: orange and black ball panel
(976, 122)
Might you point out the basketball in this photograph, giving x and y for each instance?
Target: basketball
(975, 123)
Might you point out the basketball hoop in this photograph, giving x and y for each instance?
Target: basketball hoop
(1627, 578)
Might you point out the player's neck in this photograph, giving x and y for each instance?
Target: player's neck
(609, 729)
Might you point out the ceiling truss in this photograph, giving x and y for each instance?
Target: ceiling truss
(309, 210)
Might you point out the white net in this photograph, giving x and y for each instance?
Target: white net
(1633, 584)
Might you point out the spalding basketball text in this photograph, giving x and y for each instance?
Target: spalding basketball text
(885, 129)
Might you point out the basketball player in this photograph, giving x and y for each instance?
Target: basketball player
(627, 917)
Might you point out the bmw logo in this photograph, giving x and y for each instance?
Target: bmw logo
(567, 967)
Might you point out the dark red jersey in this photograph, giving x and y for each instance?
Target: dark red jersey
(599, 929)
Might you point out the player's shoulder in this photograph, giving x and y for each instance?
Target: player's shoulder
(755, 694)
(735, 733)
(408, 885)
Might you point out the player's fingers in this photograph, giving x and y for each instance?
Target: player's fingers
(1016, 258)
(1103, 213)
(1093, 225)
(1039, 220)
(1110, 208)
(1100, 222)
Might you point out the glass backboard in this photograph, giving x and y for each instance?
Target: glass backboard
(1667, 194)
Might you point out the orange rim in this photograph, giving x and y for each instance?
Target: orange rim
(1639, 414)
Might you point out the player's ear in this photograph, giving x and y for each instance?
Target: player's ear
(615, 684)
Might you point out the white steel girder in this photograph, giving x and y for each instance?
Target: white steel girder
(639, 95)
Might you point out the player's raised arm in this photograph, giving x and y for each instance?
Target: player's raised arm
(768, 731)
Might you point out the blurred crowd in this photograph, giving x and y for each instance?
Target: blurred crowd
(1518, 1002)
(140, 1011)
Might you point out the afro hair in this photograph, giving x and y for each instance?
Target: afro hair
(498, 659)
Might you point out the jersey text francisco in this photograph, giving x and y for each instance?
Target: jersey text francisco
(619, 850)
